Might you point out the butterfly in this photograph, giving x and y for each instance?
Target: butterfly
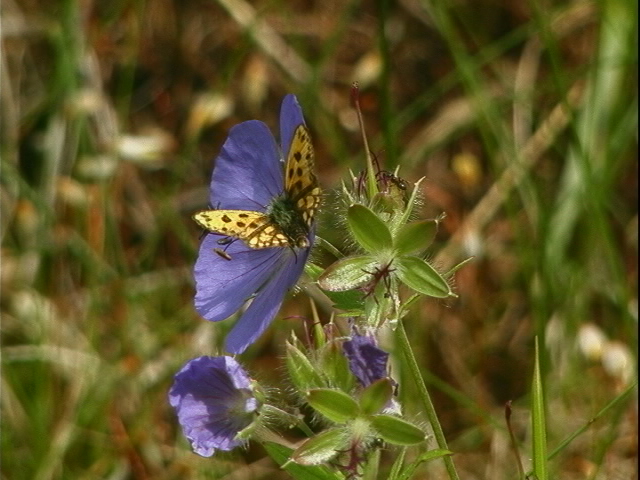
(289, 217)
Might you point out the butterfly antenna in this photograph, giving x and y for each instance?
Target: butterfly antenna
(226, 241)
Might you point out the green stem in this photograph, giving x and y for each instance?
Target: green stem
(372, 185)
(388, 117)
(373, 465)
(414, 371)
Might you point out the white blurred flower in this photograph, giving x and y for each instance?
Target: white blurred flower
(71, 192)
(255, 82)
(97, 167)
(146, 150)
(208, 109)
(618, 361)
(473, 243)
(591, 341)
(368, 69)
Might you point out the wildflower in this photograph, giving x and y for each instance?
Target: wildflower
(264, 222)
(366, 361)
(214, 400)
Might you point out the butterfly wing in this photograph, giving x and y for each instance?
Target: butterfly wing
(300, 183)
(254, 228)
(260, 230)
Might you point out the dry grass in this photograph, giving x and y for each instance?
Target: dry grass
(522, 117)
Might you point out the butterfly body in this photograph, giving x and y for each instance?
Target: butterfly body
(288, 218)
(283, 212)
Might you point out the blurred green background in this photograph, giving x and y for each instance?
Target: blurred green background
(521, 115)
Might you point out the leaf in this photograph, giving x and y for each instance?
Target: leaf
(280, 454)
(415, 237)
(396, 431)
(349, 301)
(321, 448)
(336, 405)
(538, 420)
(376, 396)
(347, 274)
(422, 277)
(369, 231)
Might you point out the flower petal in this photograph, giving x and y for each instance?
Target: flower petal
(222, 286)
(248, 176)
(214, 401)
(248, 172)
(366, 361)
(290, 118)
(267, 302)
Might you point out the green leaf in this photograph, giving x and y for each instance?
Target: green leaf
(347, 274)
(415, 237)
(321, 448)
(422, 277)
(538, 419)
(337, 406)
(350, 301)
(280, 454)
(313, 270)
(396, 431)
(369, 231)
(376, 396)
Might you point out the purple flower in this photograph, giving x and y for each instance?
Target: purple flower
(248, 175)
(366, 361)
(369, 363)
(214, 401)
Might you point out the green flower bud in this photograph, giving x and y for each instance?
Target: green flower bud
(335, 366)
(300, 369)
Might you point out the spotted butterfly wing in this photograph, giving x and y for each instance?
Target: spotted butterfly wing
(301, 185)
(288, 217)
(255, 228)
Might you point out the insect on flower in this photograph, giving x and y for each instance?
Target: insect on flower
(265, 218)
(222, 254)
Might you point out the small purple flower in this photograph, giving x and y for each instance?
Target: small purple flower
(366, 361)
(214, 401)
(369, 363)
(248, 175)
